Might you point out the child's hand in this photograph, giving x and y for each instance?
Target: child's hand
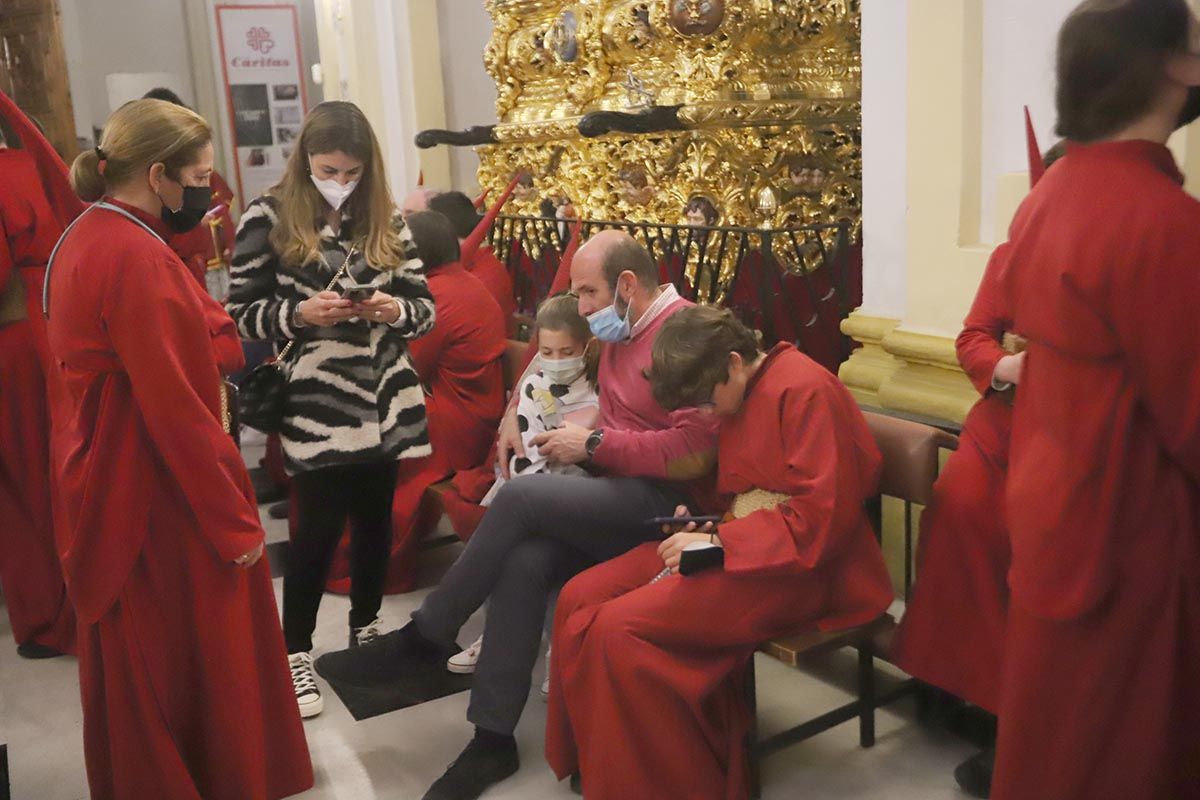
(565, 445)
(509, 443)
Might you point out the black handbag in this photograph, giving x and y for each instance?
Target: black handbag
(262, 394)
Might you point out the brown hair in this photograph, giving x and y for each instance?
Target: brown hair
(626, 255)
(331, 127)
(434, 237)
(691, 355)
(1111, 56)
(137, 136)
(560, 313)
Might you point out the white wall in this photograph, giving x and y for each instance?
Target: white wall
(464, 28)
(1019, 39)
(885, 140)
(106, 36)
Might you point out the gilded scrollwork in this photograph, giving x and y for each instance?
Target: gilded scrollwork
(768, 93)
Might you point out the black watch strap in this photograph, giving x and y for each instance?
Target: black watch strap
(593, 441)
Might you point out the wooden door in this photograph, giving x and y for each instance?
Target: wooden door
(33, 69)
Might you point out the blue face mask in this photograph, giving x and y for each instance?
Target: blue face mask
(609, 326)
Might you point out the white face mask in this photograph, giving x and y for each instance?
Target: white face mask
(334, 193)
(563, 371)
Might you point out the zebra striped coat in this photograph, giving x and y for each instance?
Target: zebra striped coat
(353, 395)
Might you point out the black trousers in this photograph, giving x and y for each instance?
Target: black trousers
(539, 531)
(325, 499)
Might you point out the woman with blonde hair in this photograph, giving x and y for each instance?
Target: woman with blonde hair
(324, 259)
(181, 666)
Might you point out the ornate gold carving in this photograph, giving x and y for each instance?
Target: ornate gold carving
(760, 83)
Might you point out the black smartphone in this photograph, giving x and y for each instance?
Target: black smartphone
(682, 521)
(358, 292)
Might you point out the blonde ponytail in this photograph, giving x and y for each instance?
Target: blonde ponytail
(136, 136)
(86, 179)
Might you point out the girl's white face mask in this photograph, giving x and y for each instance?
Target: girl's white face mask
(562, 370)
(334, 193)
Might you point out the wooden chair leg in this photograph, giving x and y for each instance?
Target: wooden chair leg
(753, 762)
(866, 695)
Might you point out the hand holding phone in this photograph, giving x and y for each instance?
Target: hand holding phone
(681, 521)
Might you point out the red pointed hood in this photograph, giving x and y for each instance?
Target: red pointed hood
(63, 200)
(473, 242)
(1036, 166)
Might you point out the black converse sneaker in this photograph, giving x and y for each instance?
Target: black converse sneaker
(366, 634)
(308, 696)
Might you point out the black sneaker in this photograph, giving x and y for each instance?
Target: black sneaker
(33, 650)
(975, 774)
(487, 760)
(383, 661)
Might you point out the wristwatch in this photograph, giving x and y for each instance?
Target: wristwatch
(297, 317)
(593, 441)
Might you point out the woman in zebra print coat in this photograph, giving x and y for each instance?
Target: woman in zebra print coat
(354, 403)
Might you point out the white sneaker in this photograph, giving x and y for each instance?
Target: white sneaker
(464, 663)
(366, 634)
(308, 696)
(546, 682)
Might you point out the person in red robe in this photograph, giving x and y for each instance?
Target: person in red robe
(35, 205)
(208, 245)
(952, 632)
(1098, 698)
(645, 682)
(183, 672)
(459, 363)
(477, 258)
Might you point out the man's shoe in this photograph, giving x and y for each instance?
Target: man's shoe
(366, 634)
(975, 774)
(487, 760)
(279, 510)
(308, 696)
(397, 655)
(577, 784)
(34, 651)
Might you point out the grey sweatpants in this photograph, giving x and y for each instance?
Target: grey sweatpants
(538, 532)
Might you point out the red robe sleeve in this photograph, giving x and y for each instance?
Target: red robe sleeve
(979, 345)
(426, 351)
(832, 467)
(152, 337)
(1155, 311)
(227, 345)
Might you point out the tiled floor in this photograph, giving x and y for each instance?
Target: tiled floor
(398, 755)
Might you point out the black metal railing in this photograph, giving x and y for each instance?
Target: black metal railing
(793, 284)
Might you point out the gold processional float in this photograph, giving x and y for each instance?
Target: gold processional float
(713, 113)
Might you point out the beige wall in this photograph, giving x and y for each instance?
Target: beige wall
(465, 28)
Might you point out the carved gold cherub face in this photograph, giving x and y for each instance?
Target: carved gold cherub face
(697, 17)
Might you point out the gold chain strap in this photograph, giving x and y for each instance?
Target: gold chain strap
(337, 277)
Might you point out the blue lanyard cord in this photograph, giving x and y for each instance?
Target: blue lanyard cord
(49, 263)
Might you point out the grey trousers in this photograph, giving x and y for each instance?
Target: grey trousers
(539, 531)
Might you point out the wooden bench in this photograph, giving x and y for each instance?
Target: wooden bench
(910, 466)
(513, 365)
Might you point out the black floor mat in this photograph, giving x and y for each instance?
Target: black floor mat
(366, 703)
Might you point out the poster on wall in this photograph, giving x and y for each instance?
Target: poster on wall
(263, 78)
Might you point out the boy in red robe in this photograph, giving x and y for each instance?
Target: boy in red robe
(1099, 698)
(182, 666)
(35, 205)
(645, 687)
(459, 363)
(477, 258)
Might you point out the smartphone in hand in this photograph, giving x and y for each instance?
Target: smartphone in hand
(358, 292)
(680, 522)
